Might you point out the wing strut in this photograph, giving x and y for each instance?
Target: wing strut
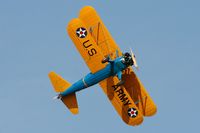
(98, 33)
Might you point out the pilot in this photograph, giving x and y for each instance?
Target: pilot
(127, 55)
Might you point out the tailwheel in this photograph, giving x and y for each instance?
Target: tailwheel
(59, 96)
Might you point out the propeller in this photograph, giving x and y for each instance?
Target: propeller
(134, 59)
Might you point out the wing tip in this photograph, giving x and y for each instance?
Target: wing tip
(151, 112)
(72, 21)
(86, 8)
(135, 121)
(74, 111)
(51, 73)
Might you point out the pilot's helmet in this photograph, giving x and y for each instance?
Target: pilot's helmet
(127, 54)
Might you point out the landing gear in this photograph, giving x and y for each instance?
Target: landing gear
(121, 82)
(118, 84)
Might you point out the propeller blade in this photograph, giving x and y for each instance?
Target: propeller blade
(134, 59)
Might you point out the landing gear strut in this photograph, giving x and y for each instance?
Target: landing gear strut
(121, 82)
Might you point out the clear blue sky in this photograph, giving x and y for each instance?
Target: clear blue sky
(165, 36)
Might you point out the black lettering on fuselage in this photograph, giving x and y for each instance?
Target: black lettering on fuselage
(122, 96)
(91, 51)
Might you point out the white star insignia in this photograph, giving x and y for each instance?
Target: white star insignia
(132, 112)
(81, 32)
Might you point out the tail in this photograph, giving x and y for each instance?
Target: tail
(60, 85)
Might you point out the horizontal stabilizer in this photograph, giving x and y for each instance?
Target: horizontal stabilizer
(59, 84)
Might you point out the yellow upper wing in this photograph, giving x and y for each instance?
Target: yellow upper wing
(85, 44)
(99, 31)
(138, 93)
(122, 101)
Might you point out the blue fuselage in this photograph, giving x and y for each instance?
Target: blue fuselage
(90, 79)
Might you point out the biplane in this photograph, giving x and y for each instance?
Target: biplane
(110, 68)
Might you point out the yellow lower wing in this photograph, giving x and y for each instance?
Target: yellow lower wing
(85, 44)
(122, 102)
(138, 93)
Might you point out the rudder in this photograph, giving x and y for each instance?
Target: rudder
(70, 102)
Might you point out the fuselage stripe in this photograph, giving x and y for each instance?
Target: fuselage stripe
(84, 83)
